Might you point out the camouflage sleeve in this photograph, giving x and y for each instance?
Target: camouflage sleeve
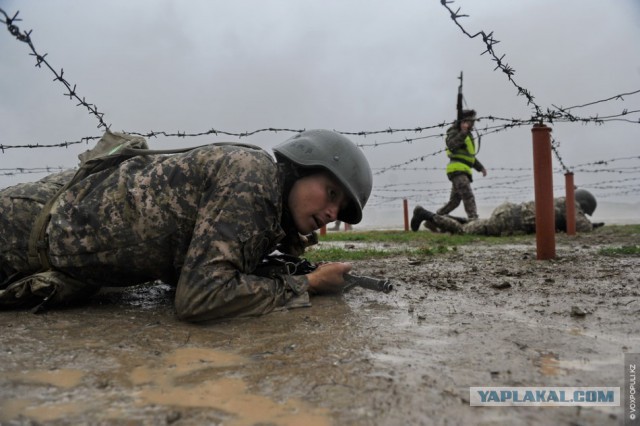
(455, 138)
(478, 165)
(238, 223)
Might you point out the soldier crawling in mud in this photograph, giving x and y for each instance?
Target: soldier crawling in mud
(509, 218)
(200, 220)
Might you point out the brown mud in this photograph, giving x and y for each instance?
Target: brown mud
(479, 315)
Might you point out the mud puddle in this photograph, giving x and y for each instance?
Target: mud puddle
(364, 358)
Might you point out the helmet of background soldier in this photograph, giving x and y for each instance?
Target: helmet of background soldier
(334, 152)
(586, 200)
(468, 114)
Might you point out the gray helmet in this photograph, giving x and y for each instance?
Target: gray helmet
(339, 155)
(586, 200)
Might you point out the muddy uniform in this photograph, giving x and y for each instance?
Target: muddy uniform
(200, 220)
(462, 155)
(508, 219)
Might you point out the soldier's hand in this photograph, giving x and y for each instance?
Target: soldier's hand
(328, 277)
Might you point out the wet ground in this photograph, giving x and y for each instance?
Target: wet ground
(476, 316)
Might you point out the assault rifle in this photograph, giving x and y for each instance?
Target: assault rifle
(459, 112)
(459, 101)
(285, 264)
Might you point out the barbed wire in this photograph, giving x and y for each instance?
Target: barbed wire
(520, 192)
(554, 147)
(509, 71)
(620, 170)
(611, 160)
(215, 132)
(558, 115)
(490, 41)
(413, 160)
(65, 144)
(25, 37)
(487, 130)
(584, 167)
(616, 97)
(32, 170)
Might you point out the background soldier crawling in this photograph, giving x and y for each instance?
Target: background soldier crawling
(201, 220)
(509, 218)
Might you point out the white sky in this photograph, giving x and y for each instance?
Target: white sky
(359, 65)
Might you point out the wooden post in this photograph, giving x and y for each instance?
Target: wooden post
(323, 230)
(543, 186)
(405, 208)
(570, 203)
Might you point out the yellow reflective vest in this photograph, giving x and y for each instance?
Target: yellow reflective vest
(462, 159)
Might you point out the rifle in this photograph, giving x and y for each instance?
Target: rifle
(459, 110)
(459, 101)
(285, 264)
(369, 283)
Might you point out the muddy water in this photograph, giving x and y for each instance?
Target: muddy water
(476, 316)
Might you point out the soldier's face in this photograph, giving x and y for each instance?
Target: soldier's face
(315, 200)
(466, 125)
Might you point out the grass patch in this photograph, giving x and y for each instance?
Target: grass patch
(622, 230)
(620, 251)
(337, 254)
(410, 247)
(424, 243)
(419, 238)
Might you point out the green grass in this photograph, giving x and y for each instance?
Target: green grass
(424, 243)
(417, 238)
(339, 254)
(620, 251)
(415, 244)
(619, 229)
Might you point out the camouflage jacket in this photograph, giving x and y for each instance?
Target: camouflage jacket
(455, 140)
(509, 218)
(200, 220)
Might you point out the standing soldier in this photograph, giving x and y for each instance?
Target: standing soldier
(461, 151)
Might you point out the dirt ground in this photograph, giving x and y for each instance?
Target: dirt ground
(479, 315)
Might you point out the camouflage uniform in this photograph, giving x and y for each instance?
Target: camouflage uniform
(508, 219)
(200, 220)
(461, 150)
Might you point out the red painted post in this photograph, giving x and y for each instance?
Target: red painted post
(570, 203)
(323, 230)
(543, 186)
(405, 208)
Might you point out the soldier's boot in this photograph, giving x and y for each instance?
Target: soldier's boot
(419, 214)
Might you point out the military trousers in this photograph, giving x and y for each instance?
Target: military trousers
(461, 192)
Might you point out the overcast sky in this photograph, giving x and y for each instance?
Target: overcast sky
(236, 66)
